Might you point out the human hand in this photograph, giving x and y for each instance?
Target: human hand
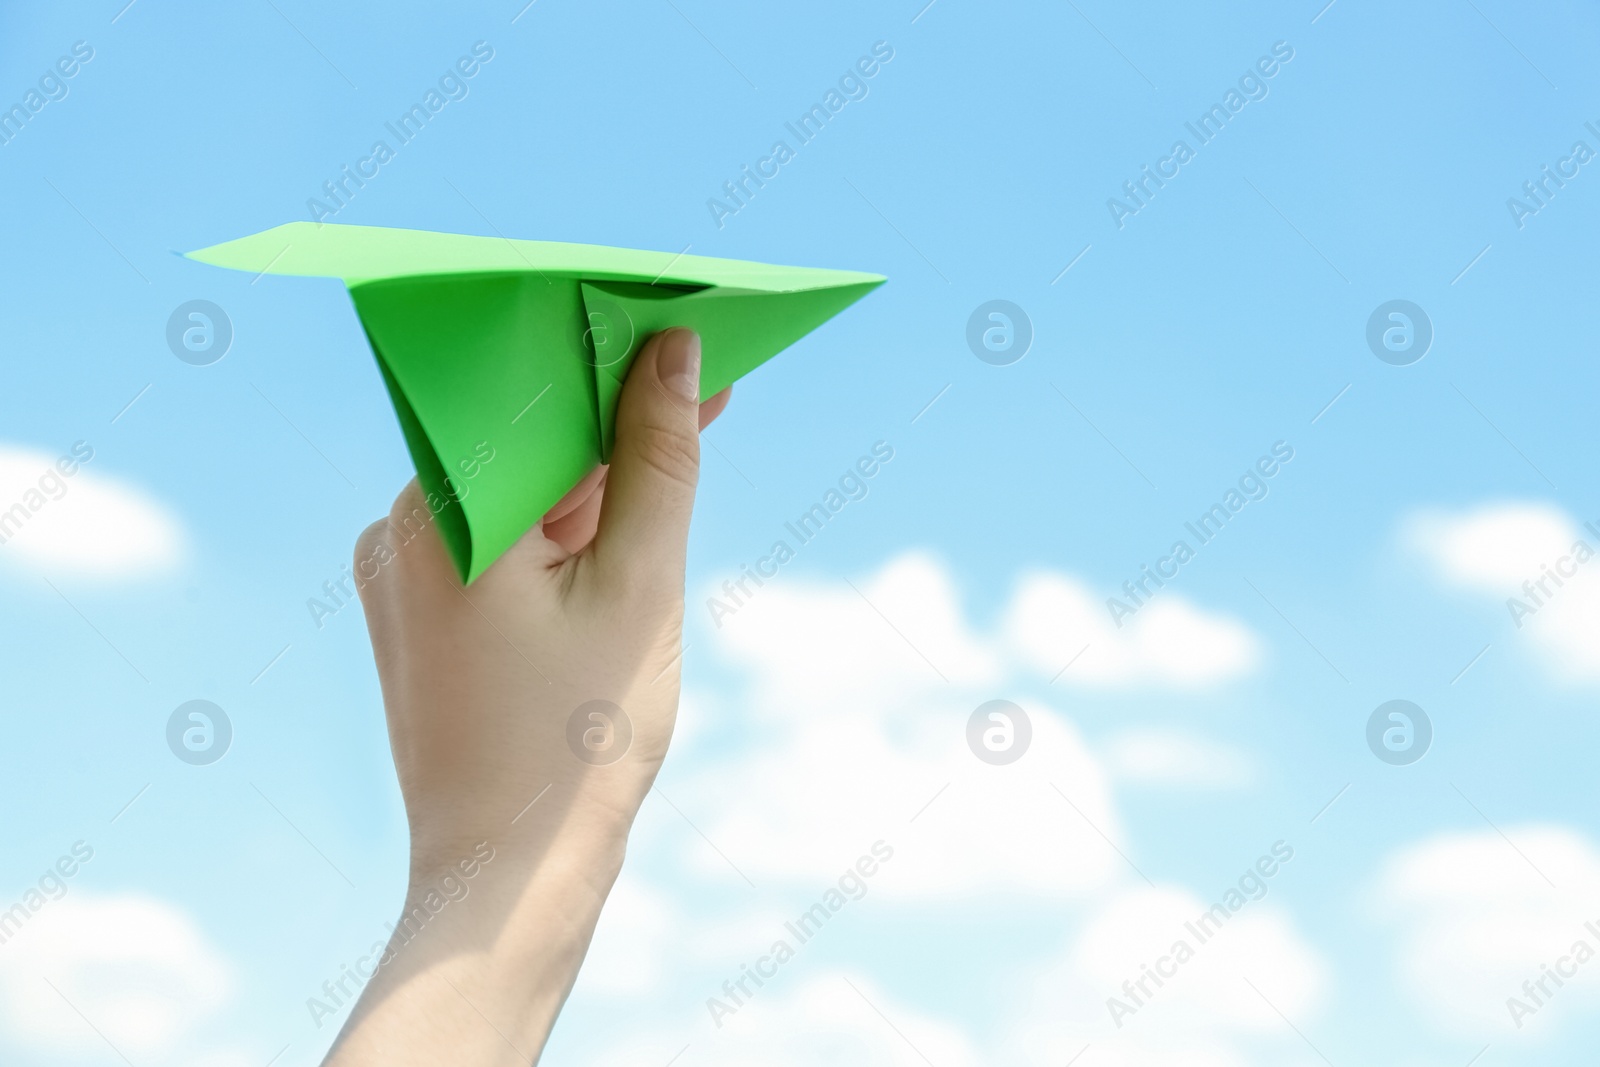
(479, 686)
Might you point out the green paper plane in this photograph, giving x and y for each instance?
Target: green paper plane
(505, 359)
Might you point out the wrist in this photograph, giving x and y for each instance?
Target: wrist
(580, 827)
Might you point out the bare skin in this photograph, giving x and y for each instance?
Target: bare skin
(479, 685)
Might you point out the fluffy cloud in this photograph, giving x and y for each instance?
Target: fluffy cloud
(628, 954)
(1258, 945)
(1476, 920)
(1204, 1013)
(1214, 1012)
(847, 724)
(1055, 620)
(83, 523)
(1496, 546)
(1536, 559)
(1177, 758)
(859, 696)
(137, 968)
(859, 699)
(807, 645)
(905, 628)
(819, 791)
(835, 1017)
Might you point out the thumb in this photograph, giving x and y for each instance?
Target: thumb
(655, 463)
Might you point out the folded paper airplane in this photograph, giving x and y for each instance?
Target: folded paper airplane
(516, 350)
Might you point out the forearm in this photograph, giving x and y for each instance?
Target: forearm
(479, 979)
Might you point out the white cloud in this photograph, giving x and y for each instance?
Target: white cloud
(902, 630)
(836, 1017)
(794, 791)
(1206, 1014)
(850, 727)
(1494, 546)
(858, 734)
(905, 628)
(1055, 620)
(1176, 758)
(138, 968)
(859, 698)
(1204, 1010)
(627, 956)
(1506, 550)
(1257, 945)
(803, 805)
(1475, 920)
(85, 523)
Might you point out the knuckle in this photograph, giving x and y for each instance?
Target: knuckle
(669, 451)
(409, 503)
(369, 540)
(411, 517)
(374, 548)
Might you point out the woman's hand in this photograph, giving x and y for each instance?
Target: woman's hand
(528, 715)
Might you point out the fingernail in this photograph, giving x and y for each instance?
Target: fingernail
(679, 363)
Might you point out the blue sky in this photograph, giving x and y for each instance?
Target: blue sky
(1228, 314)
